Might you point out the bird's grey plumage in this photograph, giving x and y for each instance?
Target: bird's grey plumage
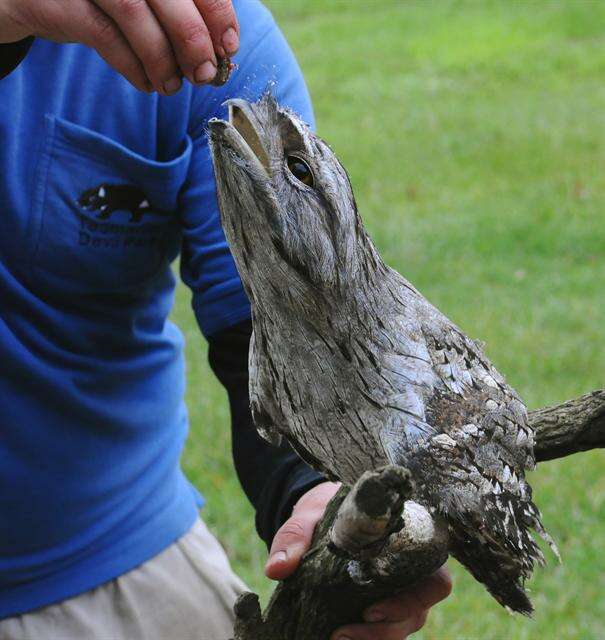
(352, 365)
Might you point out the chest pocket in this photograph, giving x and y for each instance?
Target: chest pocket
(104, 218)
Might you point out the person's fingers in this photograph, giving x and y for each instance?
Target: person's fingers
(381, 630)
(412, 602)
(91, 26)
(294, 537)
(435, 588)
(288, 547)
(147, 39)
(14, 23)
(189, 37)
(88, 24)
(396, 609)
(220, 19)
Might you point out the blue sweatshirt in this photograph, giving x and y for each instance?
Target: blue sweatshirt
(102, 188)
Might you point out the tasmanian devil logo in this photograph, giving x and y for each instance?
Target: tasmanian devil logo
(107, 198)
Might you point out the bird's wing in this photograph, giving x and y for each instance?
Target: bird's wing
(470, 391)
(265, 411)
(474, 469)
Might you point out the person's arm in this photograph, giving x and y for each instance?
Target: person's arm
(12, 53)
(273, 478)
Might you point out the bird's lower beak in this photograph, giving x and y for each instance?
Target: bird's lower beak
(241, 132)
(241, 118)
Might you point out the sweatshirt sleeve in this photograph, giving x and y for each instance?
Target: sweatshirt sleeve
(11, 55)
(273, 478)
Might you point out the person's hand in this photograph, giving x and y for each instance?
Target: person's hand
(152, 43)
(391, 619)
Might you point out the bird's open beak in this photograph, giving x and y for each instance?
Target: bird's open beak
(241, 117)
(240, 133)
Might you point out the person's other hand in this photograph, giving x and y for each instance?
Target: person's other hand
(152, 43)
(391, 619)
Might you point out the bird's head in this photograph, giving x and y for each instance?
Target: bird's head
(287, 206)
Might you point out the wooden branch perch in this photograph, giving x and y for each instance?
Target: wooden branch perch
(577, 425)
(373, 540)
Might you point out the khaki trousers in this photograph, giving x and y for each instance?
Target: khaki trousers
(184, 593)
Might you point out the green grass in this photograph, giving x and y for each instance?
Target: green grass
(474, 134)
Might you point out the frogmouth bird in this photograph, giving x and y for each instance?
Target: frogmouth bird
(353, 366)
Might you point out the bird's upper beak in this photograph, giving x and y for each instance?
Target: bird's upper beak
(240, 133)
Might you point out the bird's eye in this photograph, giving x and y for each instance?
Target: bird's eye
(300, 170)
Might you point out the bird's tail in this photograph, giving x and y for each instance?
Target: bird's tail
(496, 546)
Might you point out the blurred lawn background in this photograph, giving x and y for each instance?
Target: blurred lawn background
(474, 134)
